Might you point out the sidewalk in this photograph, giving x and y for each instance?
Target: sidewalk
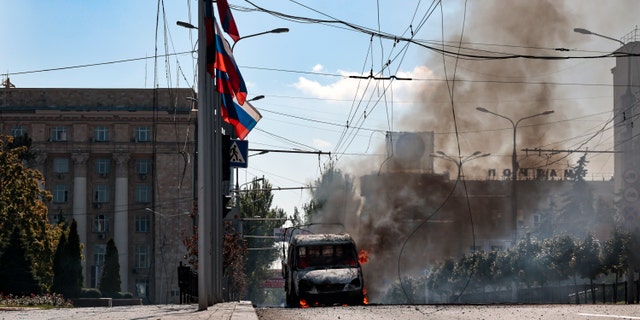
(242, 310)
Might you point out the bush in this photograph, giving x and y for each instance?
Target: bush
(90, 293)
(126, 295)
(53, 300)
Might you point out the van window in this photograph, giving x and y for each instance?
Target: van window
(326, 255)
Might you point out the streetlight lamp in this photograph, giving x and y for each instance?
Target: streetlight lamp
(277, 30)
(514, 168)
(585, 31)
(462, 160)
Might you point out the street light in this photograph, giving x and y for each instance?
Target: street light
(514, 168)
(462, 160)
(585, 31)
(277, 30)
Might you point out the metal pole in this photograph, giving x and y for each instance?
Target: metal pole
(205, 127)
(514, 192)
(209, 173)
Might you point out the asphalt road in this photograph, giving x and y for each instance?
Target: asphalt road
(475, 312)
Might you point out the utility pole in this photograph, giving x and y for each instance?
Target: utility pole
(210, 236)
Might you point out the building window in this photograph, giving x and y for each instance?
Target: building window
(101, 194)
(61, 165)
(142, 288)
(537, 220)
(101, 134)
(59, 133)
(143, 193)
(142, 257)
(103, 167)
(143, 167)
(143, 223)
(101, 224)
(18, 131)
(60, 193)
(99, 255)
(143, 134)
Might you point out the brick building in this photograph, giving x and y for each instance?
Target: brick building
(121, 163)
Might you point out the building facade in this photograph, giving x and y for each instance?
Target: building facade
(626, 139)
(121, 163)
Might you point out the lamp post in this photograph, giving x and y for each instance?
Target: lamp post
(514, 168)
(585, 31)
(277, 30)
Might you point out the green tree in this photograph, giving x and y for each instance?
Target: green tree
(16, 268)
(255, 202)
(561, 255)
(75, 261)
(439, 279)
(110, 277)
(60, 274)
(22, 205)
(616, 257)
(588, 260)
(577, 214)
(333, 202)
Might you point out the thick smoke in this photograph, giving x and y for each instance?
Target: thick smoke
(514, 87)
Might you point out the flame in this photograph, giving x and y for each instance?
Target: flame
(303, 303)
(363, 256)
(365, 300)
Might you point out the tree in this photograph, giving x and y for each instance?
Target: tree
(588, 260)
(67, 264)
(577, 213)
(110, 277)
(22, 205)
(75, 261)
(333, 202)
(616, 257)
(561, 255)
(234, 253)
(60, 276)
(256, 203)
(16, 268)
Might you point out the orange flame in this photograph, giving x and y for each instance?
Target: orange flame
(363, 256)
(365, 300)
(303, 303)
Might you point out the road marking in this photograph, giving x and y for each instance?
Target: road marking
(606, 316)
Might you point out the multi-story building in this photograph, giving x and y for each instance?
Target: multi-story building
(626, 140)
(121, 163)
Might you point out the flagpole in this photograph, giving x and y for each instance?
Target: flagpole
(209, 173)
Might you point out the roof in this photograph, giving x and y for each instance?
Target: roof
(322, 238)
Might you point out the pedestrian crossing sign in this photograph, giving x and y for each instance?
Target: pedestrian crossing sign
(238, 153)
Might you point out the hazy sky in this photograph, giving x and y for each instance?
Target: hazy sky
(312, 104)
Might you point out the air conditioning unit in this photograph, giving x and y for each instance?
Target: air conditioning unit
(410, 151)
(97, 205)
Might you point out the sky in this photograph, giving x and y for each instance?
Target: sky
(311, 103)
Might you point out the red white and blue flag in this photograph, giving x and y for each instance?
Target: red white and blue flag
(227, 21)
(229, 82)
(242, 117)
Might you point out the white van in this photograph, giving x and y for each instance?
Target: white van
(322, 269)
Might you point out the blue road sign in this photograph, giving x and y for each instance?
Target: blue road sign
(239, 153)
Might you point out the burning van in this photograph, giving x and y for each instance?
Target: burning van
(322, 269)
